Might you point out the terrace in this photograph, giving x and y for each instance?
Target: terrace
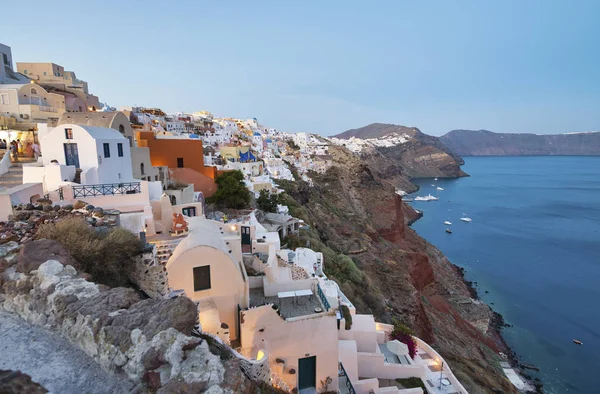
(290, 303)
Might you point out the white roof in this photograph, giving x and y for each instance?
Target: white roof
(203, 232)
(97, 132)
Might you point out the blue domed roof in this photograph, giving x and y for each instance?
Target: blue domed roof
(194, 136)
(257, 134)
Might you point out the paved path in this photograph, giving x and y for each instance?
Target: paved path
(52, 361)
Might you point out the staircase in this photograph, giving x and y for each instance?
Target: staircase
(14, 176)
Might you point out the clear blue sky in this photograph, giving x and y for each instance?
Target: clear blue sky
(327, 66)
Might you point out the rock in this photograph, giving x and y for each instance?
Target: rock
(151, 317)
(68, 207)
(8, 248)
(15, 382)
(35, 253)
(89, 207)
(29, 207)
(56, 208)
(47, 208)
(79, 204)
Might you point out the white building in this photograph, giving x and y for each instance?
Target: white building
(175, 126)
(102, 153)
(7, 73)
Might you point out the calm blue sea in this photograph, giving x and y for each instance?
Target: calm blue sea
(533, 247)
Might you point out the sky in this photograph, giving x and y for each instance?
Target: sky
(328, 66)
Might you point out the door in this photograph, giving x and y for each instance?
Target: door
(180, 162)
(246, 240)
(72, 155)
(307, 372)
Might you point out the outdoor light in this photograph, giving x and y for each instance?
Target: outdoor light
(233, 228)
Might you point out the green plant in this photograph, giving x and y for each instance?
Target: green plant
(106, 256)
(231, 191)
(405, 335)
(347, 316)
(267, 201)
(410, 383)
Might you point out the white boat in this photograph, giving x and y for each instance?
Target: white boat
(435, 179)
(440, 188)
(447, 223)
(432, 185)
(468, 220)
(428, 197)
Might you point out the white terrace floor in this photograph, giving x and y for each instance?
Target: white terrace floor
(435, 381)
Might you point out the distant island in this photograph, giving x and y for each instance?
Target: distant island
(487, 143)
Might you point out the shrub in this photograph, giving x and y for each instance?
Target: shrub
(106, 256)
(347, 316)
(267, 201)
(410, 383)
(405, 335)
(231, 191)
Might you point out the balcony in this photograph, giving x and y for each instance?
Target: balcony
(44, 108)
(107, 189)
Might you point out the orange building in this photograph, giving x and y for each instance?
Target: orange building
(184, 157)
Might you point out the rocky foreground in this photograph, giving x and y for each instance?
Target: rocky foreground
(386, 269)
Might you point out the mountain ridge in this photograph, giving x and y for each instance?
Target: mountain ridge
(421, 155)
(489, 143)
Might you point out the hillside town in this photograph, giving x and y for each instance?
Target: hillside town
(157, 175)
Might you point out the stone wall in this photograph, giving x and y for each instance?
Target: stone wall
(150, 276)
(147, 340)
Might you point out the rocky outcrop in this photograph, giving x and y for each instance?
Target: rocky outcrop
(146, 340)
(487, 143)
(420, 156)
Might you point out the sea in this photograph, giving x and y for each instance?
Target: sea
(533, 248)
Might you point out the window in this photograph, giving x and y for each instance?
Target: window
(4, 99)
(156, 177)
(120, 149)
(25, 72)
(33, 91)
(189, 211)
(142, 169)
(202, 278)
(69, 134)
(106, 149)
(5, 58)
(44, 72)
(180, 162)
(122, 129)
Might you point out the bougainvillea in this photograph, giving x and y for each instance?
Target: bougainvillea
(404, 335)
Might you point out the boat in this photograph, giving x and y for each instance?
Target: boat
(448, 223)
(435, 179)
(449, 231)
(468, 220)
(578, 342)
(440, 188)
(428, 197)
(432, 185)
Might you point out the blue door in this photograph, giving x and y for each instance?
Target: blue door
(307, 372)
(72, 155)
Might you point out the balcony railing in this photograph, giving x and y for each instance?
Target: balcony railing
(44, 108)
(58, 192)
(108, 189)
(347, 381)
(323, 298)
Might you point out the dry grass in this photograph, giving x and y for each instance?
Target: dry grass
(106, 256)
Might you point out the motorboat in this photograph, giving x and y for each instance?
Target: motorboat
(428, 197)
(435, 179)
(578, 342)
(468, 220)
(448, 223)
(440, 188)
(449, 231)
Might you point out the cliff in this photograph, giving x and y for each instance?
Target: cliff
(418, 154)
(361, 226)
(487, 143)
